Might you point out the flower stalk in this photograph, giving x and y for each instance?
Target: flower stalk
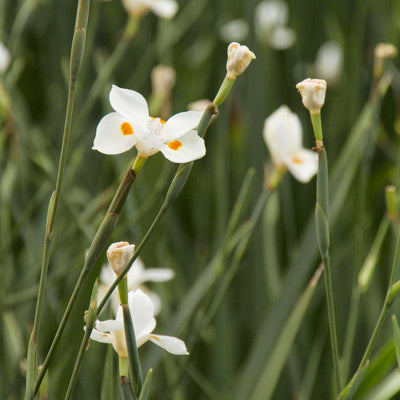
(77, 51)
(97, 245)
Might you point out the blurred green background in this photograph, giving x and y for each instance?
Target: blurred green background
(232, 337)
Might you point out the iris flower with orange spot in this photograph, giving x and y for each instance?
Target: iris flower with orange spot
(142, 311)
(283, 137)
(131, 125)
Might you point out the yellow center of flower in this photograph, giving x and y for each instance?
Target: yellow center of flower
(126, 129)
(174, 145)
(161, 120)
(297, 160)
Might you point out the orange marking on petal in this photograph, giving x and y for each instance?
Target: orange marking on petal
(161, 120)
(174, 145)
(126, 129)
(297, 160)
(155, 338)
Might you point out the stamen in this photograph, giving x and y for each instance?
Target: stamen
(126, 129)
(161, 120)
(174, 145)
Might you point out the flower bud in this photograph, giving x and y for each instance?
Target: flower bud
(385, 50)
(119, 254)
(163, 80)
(199, 105)
(312, 92)
(239, 58)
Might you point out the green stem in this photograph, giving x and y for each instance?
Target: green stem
(322, 224)
(223, 91)
(91, 319)
(97, 245)
(317, 126)
(77, 50)
(126, 386)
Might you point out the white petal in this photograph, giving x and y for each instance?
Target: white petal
(100, 336)
(107, 275)
(163, 8)
(142, 311)
(303, 164)
(282, 134)
(158, 274)
(109, 325)
(109, 137)
(156, 300)
(171, 344)
(130, 104)
(135, 274)
(188, 148)
(179, 124)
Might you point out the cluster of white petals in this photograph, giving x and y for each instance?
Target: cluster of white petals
(162, 8)
(312, 93)
(137, 276)
(239, 58)
(271, 18)
(283, 137)
(142, 312)
(131, 125)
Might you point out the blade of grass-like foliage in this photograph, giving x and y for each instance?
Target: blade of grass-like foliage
(396, 337)
(386, 389)
(343, 173)
(269, 376)
(144, 394)
(350, 390)
(77, 51)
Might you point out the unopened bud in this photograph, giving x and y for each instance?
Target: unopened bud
(163, 80)
(312, 93)
(119, 254)
(199, 105)
(385, 50)
(239, 58)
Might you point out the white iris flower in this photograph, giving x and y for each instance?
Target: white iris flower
(162, 8)
(131, 125)
(283, 137)
(142, 311)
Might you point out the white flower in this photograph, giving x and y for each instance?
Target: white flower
(137, 276)
(283, 137)
(239, 58)
(142, 311)
(329, 62)
(131, 125)
(119, 254)
(162, 8)
(234, 30)
(5, 57)
(312, 93)
(271, 18)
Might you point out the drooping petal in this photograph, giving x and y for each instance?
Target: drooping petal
(187, 148)
(110, 325)
(142, 311)
(158, 274)
(282, 134)
(100, 336)
(163, 8)
(303, 164)
(130, 104)
(114, 135)
(171, 344)
(179, 124)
